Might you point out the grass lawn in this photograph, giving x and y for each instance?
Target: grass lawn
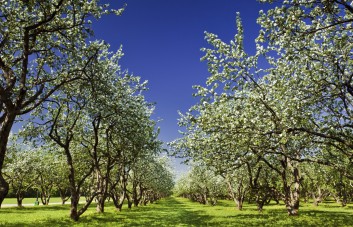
(181, 212)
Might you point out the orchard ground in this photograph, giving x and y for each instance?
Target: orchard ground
(175, 211)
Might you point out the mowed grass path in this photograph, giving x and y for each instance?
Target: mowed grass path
(181, 212)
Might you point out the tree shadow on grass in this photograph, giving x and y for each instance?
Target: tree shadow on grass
(279, 217)
(175, 212)
(168, 212)
(16, 210)
(33, 216)
(53, 206)
(32, 209)
(330, 218)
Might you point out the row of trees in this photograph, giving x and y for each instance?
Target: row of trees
(87, 119)
(43, 171)
(260, 185)
(289, 104)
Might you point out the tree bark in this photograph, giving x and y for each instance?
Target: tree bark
(238, 197)
(74, 204)
(100, 204)
(129, 200)
(136, 195)
(19, 198)
(319, 195)
(75, 196)
(4, 188)
(5, 129)
(101, 192)
(118, 201)
(291, 195)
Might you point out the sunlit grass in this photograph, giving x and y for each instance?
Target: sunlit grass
(181, 212)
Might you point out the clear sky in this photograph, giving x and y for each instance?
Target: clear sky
(162, 40)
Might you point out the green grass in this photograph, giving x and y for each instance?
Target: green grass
(181, 212)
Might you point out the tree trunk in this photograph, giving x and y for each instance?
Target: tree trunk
(292, 195)
(129, 200)
(205, 199)
(137, 195)
(144, 198)
(239, 202)
(238, 196)
(316, 199)
(213, 201)
(319, 195)
(136, 202)
(119, 207)
(118, 201)
(260, 205)
(63, 196)
(344, 202)
(74, 204)
(75, 196)
(101, 196)
(4, 188)
(5, 129)
(291, 201)
(19, 202)
(45, 198)
(19, 198)
(119, 198)
(261, 200)
(100, 204)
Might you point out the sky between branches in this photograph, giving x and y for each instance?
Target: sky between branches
(162, 39)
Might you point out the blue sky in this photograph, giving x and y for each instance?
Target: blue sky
(162, 40)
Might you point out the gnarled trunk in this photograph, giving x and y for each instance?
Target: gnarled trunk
(75, 189)
(261, 200)
(291, 189)
(291, 200)
(239, 195)
(100, 204)
(101, 192)
(118, 201)
(137, 193)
